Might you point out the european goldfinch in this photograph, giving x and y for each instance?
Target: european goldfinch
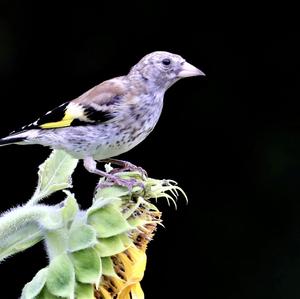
(112, 117)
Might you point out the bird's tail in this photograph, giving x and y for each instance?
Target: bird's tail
(22, 137)
(11, 140)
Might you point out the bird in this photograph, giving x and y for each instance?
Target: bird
(111, 118)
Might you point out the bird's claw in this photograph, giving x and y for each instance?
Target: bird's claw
(131, 167)
(142, 171)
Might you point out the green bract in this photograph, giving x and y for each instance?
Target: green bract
(35, 286)
(61, 276)
(87, 264)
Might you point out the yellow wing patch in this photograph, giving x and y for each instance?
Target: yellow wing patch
(57, 124)
(73, 111)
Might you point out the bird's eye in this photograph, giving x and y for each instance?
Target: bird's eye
(166, 61)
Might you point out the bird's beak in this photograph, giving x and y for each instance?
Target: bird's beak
(188, 70)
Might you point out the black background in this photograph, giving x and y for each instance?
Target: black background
(231, 139)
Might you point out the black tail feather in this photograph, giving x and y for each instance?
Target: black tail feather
(11, 140)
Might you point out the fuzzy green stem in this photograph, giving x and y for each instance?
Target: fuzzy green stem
(36, 198)
(24, 226)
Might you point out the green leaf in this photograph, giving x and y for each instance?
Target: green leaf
(111, 192)
(84, 291)
(54, 174)
(87, 265)
(113, 245)
(56, 242)
(108, 267)
(34, 287)
(137, 221)
(131, 208)
(45, 294)
(82, 236)
(100, 203)
(108, 221)
(70, 207)
(61, 277)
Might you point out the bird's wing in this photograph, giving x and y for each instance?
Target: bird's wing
(93, 107)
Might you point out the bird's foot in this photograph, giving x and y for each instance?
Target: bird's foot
(116, 180)
(131, 167)
(112, 178)
(125, 166)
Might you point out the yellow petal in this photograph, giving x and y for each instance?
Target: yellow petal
(134, 289)
(134, 262)
(105, 294)
(124, 294)
(137, 292)
(140, 260)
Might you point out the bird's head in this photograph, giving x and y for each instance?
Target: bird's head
(163, 69)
